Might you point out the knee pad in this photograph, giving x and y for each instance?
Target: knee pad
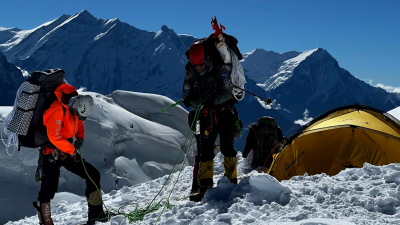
(94, 198)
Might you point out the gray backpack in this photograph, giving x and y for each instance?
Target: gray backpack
(24, 125)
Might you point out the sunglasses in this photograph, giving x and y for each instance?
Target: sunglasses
(199, 65)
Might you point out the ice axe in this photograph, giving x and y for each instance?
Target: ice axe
(218, 29)
(267, 101)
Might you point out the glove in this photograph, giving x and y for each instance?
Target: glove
(186, 103)
(78, 143)
(209, 102)
(268, 101)
(238, 127)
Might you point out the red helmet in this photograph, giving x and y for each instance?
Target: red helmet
(196, 54)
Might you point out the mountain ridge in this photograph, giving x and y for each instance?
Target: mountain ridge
(314, 80)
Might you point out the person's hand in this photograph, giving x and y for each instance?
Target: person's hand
(76, 156)
(186, 103)
(268, 101)
(221, 37)
(78, 143)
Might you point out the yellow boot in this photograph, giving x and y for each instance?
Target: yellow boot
(230, 165)
(206, 172)
(205, 178)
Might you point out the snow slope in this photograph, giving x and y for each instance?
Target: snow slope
(395, 112)
(368, 195)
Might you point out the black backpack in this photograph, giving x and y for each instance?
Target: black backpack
(266, 133)
(35, 97)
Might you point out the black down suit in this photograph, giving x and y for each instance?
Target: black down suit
(213, 89)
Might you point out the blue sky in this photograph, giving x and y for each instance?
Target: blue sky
(364, 36)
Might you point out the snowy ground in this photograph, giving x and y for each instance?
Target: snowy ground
(369, 195)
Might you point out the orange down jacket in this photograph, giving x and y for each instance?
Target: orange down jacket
(61, 124)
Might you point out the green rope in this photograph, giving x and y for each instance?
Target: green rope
(138, 214)
(184, 160)
(173, 105)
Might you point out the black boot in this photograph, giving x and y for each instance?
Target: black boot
(197, 197)
(95, 213)
(44, 212)
(195, 186)
(95, 207)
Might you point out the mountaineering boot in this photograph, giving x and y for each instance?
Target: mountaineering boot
(204, 180)
(206, 172)
(195, 186)
(95, 207)
(44, 212)
(230, 166)
(197, 197)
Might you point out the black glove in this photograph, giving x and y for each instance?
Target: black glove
(186, 103)
(209, 102)
(268, 101)
(78, 143)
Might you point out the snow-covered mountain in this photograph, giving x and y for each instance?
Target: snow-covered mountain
(10, 79)
(102, 55)
(127, 138)
(260, 65)
(312, 80)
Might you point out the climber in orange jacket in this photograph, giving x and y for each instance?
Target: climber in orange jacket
(63, 124)
(64, 121)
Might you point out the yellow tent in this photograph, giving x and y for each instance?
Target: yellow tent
(344, 137)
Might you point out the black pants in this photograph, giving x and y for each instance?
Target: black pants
(209, 131)
(51, 174)
(225, 128)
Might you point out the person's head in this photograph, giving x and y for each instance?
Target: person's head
(84, 106)
(197, 56)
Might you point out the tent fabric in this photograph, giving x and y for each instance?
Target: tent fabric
(345, 137)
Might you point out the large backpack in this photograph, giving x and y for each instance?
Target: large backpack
(237, 74)
(24, 125)
(267, 138)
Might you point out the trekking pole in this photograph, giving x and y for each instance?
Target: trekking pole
(266, 101)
